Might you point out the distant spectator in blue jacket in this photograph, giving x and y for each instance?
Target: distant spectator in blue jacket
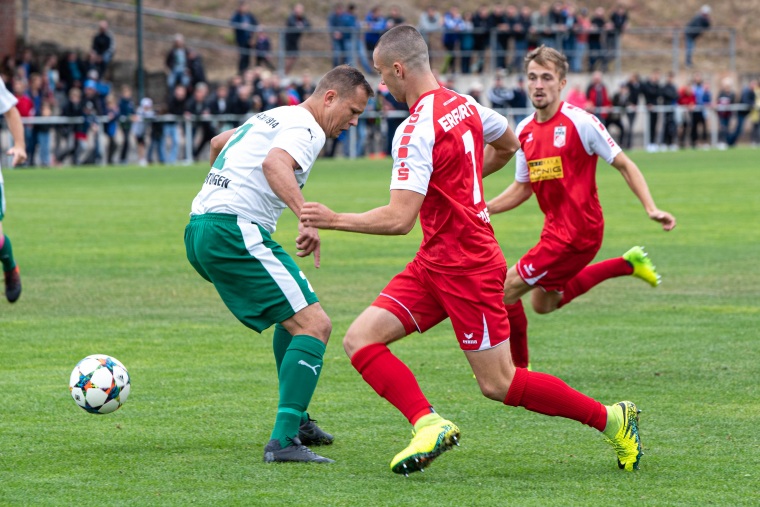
(698, 25)
(244, 23)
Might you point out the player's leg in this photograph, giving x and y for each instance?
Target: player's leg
(514, 288)
(262, 285)
(539, 392)
(634, 262)
(10, 269)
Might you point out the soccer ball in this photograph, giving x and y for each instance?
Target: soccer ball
(99, 384)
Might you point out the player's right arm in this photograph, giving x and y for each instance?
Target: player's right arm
(499, 152)
(396, 218)
(16, 127)
(218, 142)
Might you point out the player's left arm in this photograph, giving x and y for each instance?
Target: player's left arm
(499, 152)
(396, 218)
(638, 185)
(218, 142)
(16, 127)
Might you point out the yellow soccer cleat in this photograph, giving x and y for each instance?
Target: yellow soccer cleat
(431, 436)
(626, 441)
(642, 265)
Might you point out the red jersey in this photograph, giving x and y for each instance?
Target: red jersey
(558, 157)
(438, 152)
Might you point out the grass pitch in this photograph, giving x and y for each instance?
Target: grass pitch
(104, 271)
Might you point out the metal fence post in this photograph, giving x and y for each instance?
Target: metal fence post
(188, 141)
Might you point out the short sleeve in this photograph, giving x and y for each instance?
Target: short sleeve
(522, 175)
(597, 139)
(494, 124)
(300, 143)
(7, 100)
(412, 159)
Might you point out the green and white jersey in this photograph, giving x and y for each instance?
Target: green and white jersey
(236, 184)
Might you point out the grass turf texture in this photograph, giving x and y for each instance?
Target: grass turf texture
(104, 271)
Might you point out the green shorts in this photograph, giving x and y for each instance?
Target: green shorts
(259, 282)
(2, 197)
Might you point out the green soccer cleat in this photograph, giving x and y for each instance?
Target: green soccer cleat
(626, 441)
(429, 440)
(642, 265)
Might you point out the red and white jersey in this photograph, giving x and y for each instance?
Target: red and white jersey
(438, 152)
(558, 157)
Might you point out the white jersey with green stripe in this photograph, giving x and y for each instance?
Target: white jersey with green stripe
(236, 183)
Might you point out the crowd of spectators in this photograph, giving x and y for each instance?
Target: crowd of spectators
(107, 123)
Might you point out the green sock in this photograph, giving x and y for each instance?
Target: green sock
(6, 255)
(299, 373)
(614, 420)
(280, 343)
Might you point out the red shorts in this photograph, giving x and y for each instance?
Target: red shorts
(421, 298)
(551, 265)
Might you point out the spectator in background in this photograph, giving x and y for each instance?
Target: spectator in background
(72, 71)
(481, 34)
(499, 95)
(198, 106)
(244, 23)
(296, 24)
(141, 127)
(104, 46)
(702, 100)
(652, 91)
(598, 98)
(615, 118)
(36, 93)
(498, 22)
(156, 146)
(576, 97)
(176, 64)
(582, 31)
(698, 25)
(726, 98)
(374, 27)
(746, 99)
(92, 109)
(754, 116)
(631, 105)
(670, 122)
(618, 23)
(26, 65)
(558, 24)
(467, 43)
(686, 103)
(570, 34)
(263, 47)
(354, 42)
(306, 87)
(73, 109)
(389, 105)
(126, 114)
(597, 57)
(42, 133)
(519, 100)
(453, 26)
(394, 17)
(110, 127)
(336, 22)
(521, 29)
(541, 25)
(177, 105)
(219, 105)
(195, 67)
(430, 22)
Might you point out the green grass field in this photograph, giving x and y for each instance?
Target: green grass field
(104, 271)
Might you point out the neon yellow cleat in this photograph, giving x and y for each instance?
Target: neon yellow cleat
(642, 265)
(431, 436)
(626, 441)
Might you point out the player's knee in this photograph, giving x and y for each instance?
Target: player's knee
(543, 308)
(351, 343)
(492, 389)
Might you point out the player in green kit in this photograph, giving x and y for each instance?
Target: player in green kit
(258, 170)
(18, 152)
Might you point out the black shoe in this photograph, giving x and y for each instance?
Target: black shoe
(274, 452)
(311, 434)
(13, 286)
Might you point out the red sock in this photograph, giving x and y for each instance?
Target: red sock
(518, 334)
(593, 275)
(391, 379)
(548, 395)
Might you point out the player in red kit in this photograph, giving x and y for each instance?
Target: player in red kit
(440, 154)
(560, 145)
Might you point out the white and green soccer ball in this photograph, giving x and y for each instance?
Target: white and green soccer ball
(99, 384)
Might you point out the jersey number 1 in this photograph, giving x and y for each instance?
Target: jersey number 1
(469, 148)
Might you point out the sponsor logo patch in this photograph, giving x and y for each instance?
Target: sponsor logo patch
(559, 136)
(545, 169)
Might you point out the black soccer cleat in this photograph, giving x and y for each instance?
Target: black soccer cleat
(311, 434)
(12, 285)
(275, 453)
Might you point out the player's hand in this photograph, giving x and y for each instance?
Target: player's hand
(667, 220)
(308, 242)
(315, 214)
(18, 154)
